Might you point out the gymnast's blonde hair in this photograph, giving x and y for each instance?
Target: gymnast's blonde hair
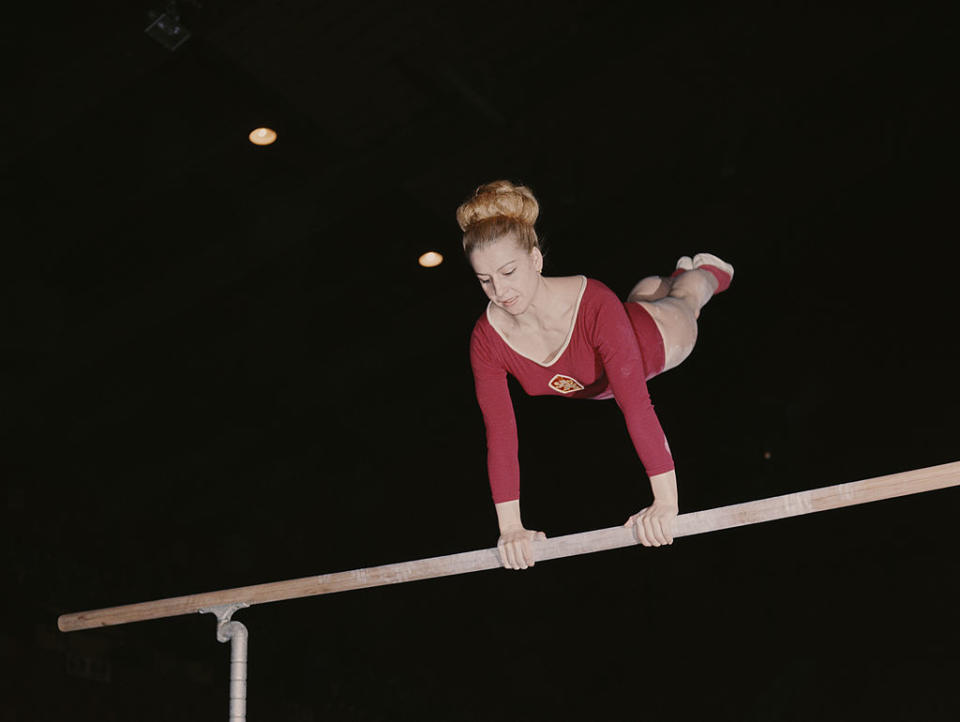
(495, 210)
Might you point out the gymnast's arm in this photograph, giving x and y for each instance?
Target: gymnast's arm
(503, 466)
(614, 338)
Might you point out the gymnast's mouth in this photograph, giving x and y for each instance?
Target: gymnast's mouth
(509, 302)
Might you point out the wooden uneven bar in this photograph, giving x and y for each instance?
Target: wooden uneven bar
(699, 522)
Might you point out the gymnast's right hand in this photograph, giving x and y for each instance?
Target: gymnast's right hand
(515, 547)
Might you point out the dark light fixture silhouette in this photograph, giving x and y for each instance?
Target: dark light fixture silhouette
(167, 28)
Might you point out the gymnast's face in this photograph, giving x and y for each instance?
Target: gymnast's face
(508, 274)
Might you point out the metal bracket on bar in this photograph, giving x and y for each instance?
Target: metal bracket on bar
(223, 612)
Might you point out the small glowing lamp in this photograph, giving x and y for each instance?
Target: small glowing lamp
(430, 259)
(262, 136)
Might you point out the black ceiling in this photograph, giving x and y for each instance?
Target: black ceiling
(223, 365)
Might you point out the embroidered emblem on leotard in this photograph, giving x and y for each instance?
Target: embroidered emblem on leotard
(565, 384)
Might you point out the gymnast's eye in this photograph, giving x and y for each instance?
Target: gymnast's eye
(507, 273)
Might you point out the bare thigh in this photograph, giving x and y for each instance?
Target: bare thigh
(677, 326)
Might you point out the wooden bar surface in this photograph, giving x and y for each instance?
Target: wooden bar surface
(699, 522)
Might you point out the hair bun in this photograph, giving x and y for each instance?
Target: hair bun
(499, 198)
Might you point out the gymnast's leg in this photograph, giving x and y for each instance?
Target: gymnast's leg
(676, 311)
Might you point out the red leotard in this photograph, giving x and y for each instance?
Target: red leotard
(613, 348)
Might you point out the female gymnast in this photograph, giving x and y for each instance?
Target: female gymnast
(571, 336)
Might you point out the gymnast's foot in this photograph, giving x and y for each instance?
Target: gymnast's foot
(684, 263)
(653, 288)
(720, 269)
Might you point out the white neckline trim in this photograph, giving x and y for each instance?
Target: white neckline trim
(566, 341)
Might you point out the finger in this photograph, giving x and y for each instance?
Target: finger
(642, 532)
(516, 556)
(505, 555)
(527, 553)
(653, 529)
(502, 551)
(666, 522)
(541, 536)
(649, 530)
(523, 553)
(657, 525)
(512, 555)
(667, 525)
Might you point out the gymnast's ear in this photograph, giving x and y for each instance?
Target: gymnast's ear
(537, 255)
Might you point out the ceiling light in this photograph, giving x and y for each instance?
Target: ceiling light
(431, 259)
(262, 136)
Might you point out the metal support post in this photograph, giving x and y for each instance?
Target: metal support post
(235, 633)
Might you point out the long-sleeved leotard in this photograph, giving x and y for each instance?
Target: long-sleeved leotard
(613, 348)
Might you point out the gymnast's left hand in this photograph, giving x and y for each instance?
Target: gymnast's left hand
(654, 524)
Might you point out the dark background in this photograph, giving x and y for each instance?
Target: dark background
(223, 366)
